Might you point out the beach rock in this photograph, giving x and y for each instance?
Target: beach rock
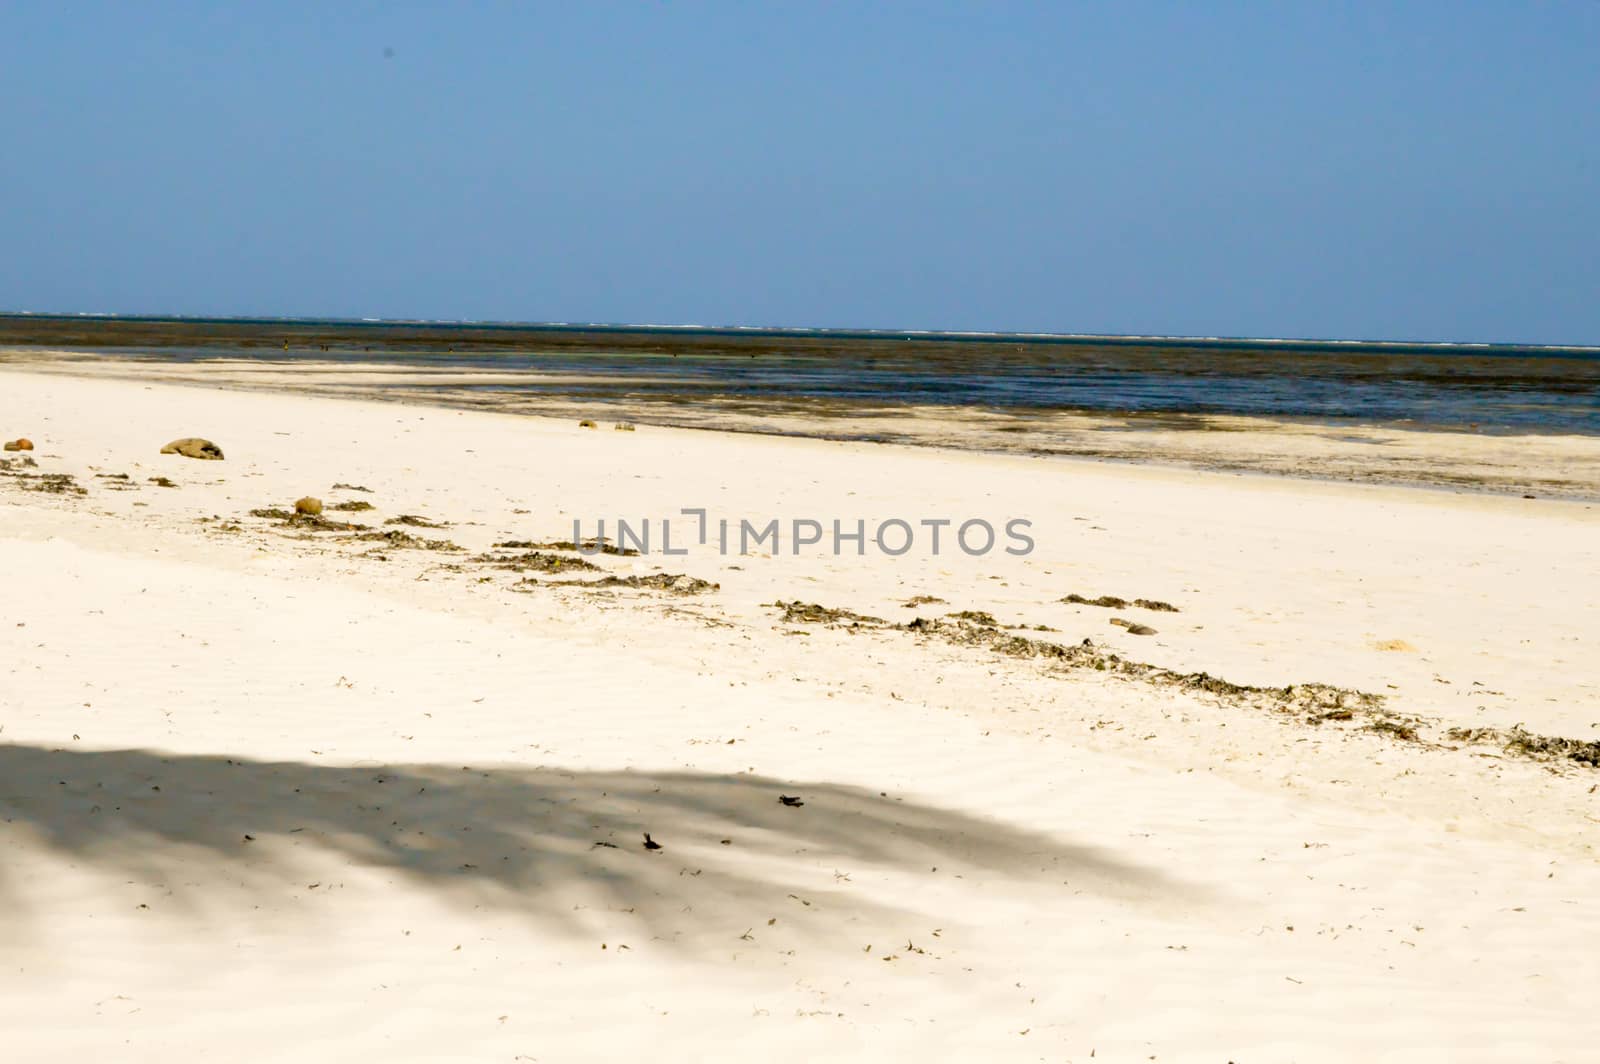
(22, 444)
(308, 505)
(587, 424)
(1132, 627)
(194, 447)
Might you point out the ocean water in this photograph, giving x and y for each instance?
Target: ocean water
(1491, 388)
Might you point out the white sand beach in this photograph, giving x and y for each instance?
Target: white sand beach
(275, 792)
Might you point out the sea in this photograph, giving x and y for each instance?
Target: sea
(1492, 388)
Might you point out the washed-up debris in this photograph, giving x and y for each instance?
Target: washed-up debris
(1112, 602)
(1394, 727)
(798, 612)
(1303, 697)
(306, 521)
(393, 537)
(535, 561)
(1523, 743)
(47, 483)
(588, 546)
(675, 583)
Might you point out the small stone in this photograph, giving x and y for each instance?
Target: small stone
(194, 447)
(309, 506)
(587, 424)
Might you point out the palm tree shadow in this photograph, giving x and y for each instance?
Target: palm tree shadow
(541, 841)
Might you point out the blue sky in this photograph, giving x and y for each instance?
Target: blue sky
(1409, 171)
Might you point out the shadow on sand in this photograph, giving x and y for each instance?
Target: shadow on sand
(540, 841)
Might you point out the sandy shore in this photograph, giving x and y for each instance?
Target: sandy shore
(1543, 466)
(275, 791)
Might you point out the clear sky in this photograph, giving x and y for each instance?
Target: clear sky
(1409, 170)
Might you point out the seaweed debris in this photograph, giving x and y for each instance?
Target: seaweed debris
(48, 483)
(1112, 602)
(588, 546)
(535, 561)
(1523, 743)
(1312, 698)
(798, 612)
(405, 541)
(674, 583)
(308, 522)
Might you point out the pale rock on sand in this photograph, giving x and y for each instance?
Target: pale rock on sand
(194, 447)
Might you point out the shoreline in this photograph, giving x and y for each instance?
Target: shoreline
(1549, 465)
